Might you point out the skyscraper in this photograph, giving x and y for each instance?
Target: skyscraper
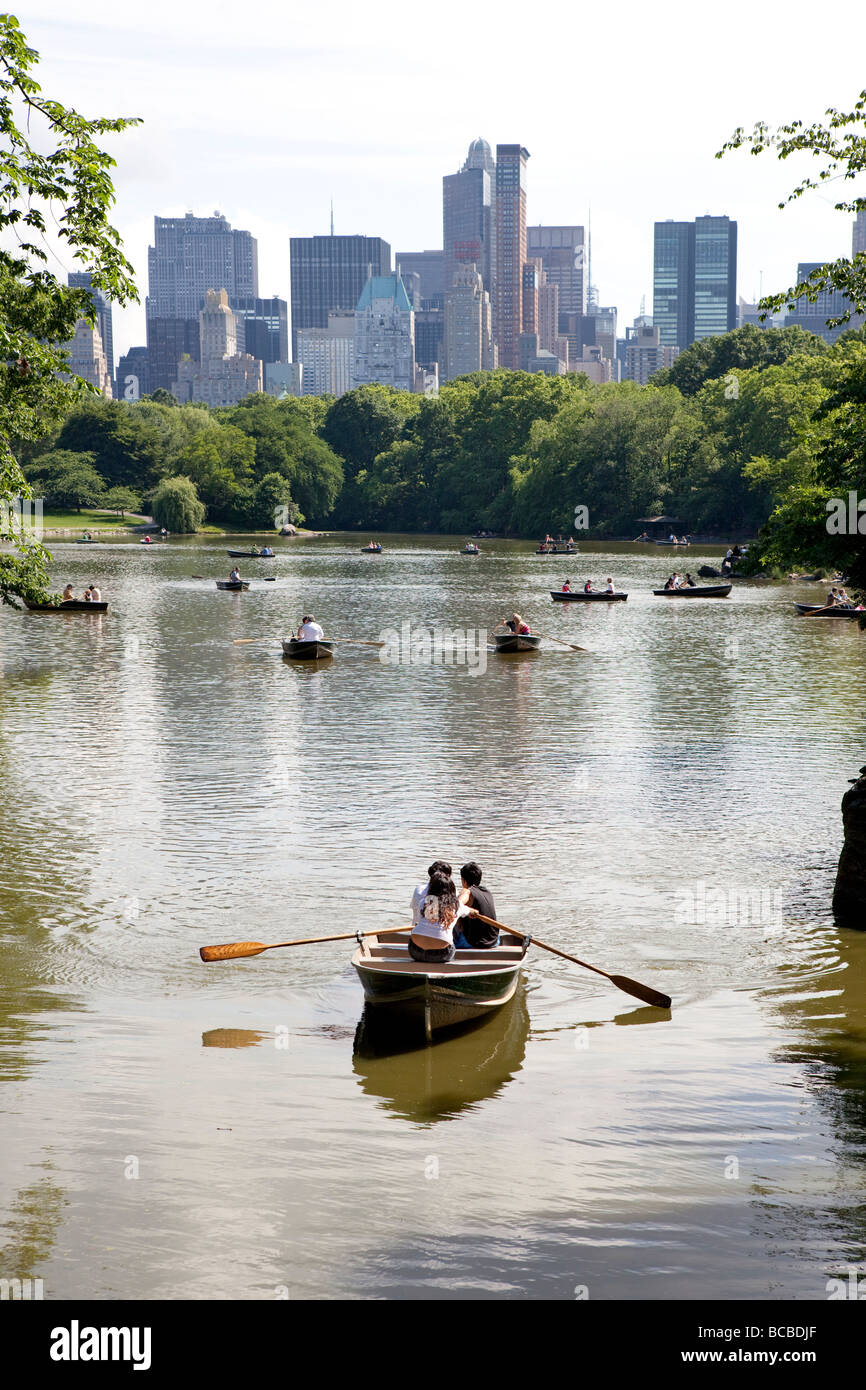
(562, 252)
(384, 335)
(87, 359)
(263, 328)
(328, 274)
(80, 280)
(858, 240)
(429, 266)
(468, 325)
(510, 249)
(715, 276)
(224, 375)
(190, 256)
(467, 217)
(827, 304)
(326, 356)
(674, 283)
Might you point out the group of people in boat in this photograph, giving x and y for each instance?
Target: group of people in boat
(680, 581)
(266, 553)
(517, 625)
(589, 587)
(446, 920)
(838, 598)
(551, 543)
(91, 595)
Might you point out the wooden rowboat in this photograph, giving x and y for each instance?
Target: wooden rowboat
(249, 555)
(516, 641)
(233, 584)
(71, 605)
(470, 550)
(578, 596)
(308, 650)
(371, 550)
(437, 997)
(557, 550)
(818, 610)
(696, 591)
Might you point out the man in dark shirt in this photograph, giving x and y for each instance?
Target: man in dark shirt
(472, 934)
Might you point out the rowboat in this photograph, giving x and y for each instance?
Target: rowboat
(516, 641)
(233, 584)
(556, 550)
(679, 543)
(696, 591)
(86, 540)
(70, 605)
(371, 550)
(818, 610)
(307, 650)
(437, 997)
(249, 555)
(470, 550)
(578, 596)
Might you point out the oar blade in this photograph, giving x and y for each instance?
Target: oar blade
(232, 950)
(649, 996)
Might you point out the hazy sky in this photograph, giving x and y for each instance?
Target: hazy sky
(266, 111)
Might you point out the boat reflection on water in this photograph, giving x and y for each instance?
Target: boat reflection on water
(428, 1082)
(233, 1037)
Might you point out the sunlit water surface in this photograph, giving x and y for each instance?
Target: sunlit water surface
(666, 806)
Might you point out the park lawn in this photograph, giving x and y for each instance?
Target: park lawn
(89, 520)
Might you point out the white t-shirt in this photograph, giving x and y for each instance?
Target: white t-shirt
(428, 923)
(310, 632)
(419, 893)
(95, 595)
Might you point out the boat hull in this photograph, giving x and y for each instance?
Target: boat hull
(814, 610)
(248, 555)
(578, 597)
(516, 642)
(235, 588)
(367, 550)
(561, 550)
(699, 591)
(307, 651)
(436, 998)
(70, 606)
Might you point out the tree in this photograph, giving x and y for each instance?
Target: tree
(176, 506)
(749, 346)
(271, 497)
(65, 479)
(50, 167)
(121, 499)
(841, 145)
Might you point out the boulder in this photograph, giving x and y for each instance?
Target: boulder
(707, 572)
(849, 893)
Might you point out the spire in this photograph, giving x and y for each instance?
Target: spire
(332, 217)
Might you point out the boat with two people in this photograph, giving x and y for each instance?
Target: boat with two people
(308, 643)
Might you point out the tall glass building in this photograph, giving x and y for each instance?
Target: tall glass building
(674, 283)
(328, 274)
(715, 276)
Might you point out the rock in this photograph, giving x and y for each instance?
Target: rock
(849, 894)
(707, 572)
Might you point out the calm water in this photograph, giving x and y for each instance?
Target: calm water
(666, 807)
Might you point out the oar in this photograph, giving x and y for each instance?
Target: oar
(344, 641)
(238, 950)
(649, 996)
(573, 645)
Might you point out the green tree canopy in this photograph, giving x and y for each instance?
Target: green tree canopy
(176, 506)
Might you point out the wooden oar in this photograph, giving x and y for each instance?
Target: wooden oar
(239, 950)
(649, 996)
(573, 645)
(344, 641)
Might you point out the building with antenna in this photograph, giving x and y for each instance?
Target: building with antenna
(328, 274)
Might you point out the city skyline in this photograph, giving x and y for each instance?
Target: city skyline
(274, 157)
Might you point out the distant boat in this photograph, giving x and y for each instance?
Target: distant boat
(820, 610)
(557, 550)
(251, 554)
(470, 550)
(579, 596)
(371, 550)
(310, 650)
(516, 641)
(696, 591)
(233, 583)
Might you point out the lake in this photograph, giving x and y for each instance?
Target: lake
(665, 806)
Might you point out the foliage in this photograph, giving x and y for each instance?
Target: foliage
(67, 479)
(51, 168)
(122, 499)
(749, 346)
(175, 505)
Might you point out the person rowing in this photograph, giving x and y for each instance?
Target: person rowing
(688, 583)
(94, 594)
(254, 550)
(517, 625)
(474, 935)
(588, 587)
(309, 630)
(566, 587)
(673, 581)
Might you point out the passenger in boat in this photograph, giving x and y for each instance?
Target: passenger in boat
(517, 625)
(235, 576)
(689, 583)
(95, 594)
(472, 935)
(432, 939)
(843, 600)
(310, 631)
(254, 550)
(566, 587)
(68, 594)
(610, 589)
(587, 588)
(421, 890)
(147, 541)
